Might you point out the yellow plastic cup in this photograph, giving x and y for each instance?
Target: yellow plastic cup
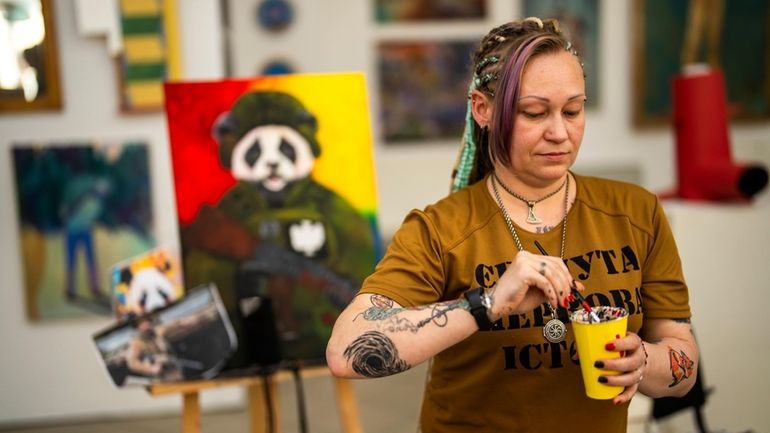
(590, 338)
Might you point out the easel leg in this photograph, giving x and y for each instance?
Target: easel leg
(275, 407)
(191, 413)
(257, 413)
(348, 407)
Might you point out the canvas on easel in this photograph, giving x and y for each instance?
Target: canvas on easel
(275, 192)
(145, 283)
(189, 339)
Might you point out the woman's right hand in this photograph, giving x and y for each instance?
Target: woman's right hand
(529, 281)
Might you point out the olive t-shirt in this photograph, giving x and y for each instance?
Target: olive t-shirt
(510, 379)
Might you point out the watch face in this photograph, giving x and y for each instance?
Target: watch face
(274, 14)
(486, 300)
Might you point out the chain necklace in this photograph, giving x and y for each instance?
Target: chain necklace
(531, 217)
(554, 330)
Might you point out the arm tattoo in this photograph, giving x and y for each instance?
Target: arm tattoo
(381, 301)
(681, 366)
(376, 313)
(373, 354)
(685, 321)
(438, 316)
(383, 310)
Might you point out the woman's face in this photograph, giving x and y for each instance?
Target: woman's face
(550, 118)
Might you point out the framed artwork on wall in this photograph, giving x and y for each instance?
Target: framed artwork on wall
(388, 11)
(744, 53)
(422, 89)
(82, 207)
(579, 20)
(151, 53)
(29, 68)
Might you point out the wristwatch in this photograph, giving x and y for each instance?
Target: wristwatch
(479, 303)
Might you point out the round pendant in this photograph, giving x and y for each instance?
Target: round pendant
(555, 331)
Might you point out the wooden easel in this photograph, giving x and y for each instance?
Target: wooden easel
(191, 413)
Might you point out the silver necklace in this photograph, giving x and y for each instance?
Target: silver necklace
(554, 330)
(531, 217)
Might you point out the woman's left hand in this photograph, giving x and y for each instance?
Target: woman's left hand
(631, 365)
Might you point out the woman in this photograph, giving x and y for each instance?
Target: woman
(464, 281)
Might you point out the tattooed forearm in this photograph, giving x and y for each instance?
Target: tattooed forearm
(383, 310)
(681, 366)
(373, 354)
(438, 316)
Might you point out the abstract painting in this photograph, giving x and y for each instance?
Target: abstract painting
(423, 89)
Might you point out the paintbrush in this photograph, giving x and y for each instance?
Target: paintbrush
(586, 306)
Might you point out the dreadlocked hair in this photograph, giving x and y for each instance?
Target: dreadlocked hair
(499, 42)
(498, 63)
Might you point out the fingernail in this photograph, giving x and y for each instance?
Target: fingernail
(599, 364)
(617, 336)
(617, 402)
(609, 346)
(602, 379)
(571, 297)
(565, 303)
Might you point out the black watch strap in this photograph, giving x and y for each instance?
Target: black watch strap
(477, 309)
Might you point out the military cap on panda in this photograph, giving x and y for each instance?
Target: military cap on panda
(263, 108)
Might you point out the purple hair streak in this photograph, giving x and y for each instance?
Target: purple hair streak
(507, 93)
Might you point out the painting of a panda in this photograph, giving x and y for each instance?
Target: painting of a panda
(146, 282)
(278, 211)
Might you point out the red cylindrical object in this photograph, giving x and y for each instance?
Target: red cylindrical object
(704, 163)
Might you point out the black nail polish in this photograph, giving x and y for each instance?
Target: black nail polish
(602, 379)
(599, 364)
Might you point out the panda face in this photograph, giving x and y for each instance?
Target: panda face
(151, 289)
(272, 155)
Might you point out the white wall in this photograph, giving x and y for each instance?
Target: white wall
(723, 250)
(50, 370)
